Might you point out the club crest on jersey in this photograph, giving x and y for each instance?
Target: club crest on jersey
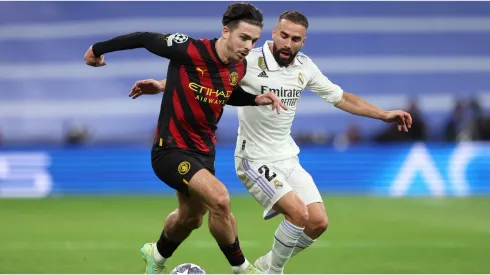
(301, 80)
(184, 167)
(278, 184)
(233, 78)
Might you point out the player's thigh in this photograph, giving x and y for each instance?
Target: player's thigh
(293, 208)
(265, 182)
(176, 167)
(302, 182)
(205, 187)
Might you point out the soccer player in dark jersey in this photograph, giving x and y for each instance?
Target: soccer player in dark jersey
(202, 77)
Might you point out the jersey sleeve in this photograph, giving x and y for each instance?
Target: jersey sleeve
(240, 97)
(171, 46)
(321, 85)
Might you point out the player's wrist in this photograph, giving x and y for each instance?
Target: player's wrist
(383, 115)
(161, 87)
(256, 100)
(96, 49)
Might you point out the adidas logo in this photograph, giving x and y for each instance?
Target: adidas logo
(263, 74)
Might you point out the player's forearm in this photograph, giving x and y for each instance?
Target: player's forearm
(240, 97)
(353, 104)
(148, 40)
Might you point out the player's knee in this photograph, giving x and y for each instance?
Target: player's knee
(299, 215)
(302, 216)
(318, 225)
(194, 222)
(221, 204)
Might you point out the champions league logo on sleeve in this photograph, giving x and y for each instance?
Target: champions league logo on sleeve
(177, 38)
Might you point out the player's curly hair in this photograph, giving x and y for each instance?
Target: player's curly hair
(294, 16)
(245, 12)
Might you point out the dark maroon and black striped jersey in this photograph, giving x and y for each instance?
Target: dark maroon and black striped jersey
(199, 84)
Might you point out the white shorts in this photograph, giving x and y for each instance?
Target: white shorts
(267, 182)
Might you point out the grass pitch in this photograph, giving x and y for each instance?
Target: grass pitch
(365, 235)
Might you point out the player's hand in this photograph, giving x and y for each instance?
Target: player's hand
(270, 98)
(147, 87)
(92, 60)
(402, 119)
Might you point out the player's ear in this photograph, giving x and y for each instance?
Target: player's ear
(304, 41)
(225, 32)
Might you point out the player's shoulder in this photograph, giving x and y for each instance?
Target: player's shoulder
(306, 62)
(303, 58)
(203, 40)
(255, 53)
(178, 38)
(256, 50)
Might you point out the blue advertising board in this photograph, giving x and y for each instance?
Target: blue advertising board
(391, 170)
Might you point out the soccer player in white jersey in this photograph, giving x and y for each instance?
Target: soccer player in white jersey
(266, 158)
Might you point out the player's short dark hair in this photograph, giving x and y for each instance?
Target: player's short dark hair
(237, 12)
(295, 17)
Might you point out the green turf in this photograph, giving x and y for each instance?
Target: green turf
(366, 235)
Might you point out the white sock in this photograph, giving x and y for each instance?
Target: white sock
(285, 240)
(240, 269)
(157, 257)
(303, 242)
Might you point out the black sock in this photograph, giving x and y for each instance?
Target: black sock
(233, 253)
(165, 246)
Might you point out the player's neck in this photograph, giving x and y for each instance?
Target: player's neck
(221, 51)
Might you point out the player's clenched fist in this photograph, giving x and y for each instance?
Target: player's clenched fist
(92, 60)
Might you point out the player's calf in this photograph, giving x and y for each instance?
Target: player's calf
(220, 219)
(222, 226)
(288, 232)
(219, 205)
(316, 226)
(178, 226)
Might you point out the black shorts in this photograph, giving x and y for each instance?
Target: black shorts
(176, 167)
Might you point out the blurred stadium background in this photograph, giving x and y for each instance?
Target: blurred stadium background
(76, 145)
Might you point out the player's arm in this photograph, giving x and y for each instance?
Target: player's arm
(353, 104)
(156, 43)
(147, 87)
(240, 97)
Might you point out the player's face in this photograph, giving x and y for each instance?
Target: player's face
(241, 40)
(288, 39)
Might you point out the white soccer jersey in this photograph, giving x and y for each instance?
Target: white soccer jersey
(263, 134)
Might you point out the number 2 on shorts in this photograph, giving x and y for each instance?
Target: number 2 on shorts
(264, 170)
